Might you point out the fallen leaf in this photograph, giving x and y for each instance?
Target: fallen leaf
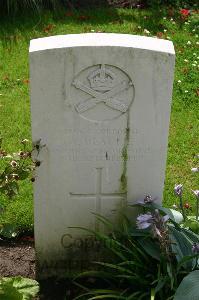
(6, 77)
(83, 18)
(185, 70)
(26, 81)
(48, 28)
(69, 14)
(159, 35)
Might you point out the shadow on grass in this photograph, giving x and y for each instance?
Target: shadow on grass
(39, 24)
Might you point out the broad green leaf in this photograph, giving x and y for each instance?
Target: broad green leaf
(150, 247)
(18, 288)
(191, 235)
(188, 288)
(181, 245)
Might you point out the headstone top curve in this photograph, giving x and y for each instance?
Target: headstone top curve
(103, 40)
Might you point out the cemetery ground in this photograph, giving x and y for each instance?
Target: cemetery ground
(15, 35)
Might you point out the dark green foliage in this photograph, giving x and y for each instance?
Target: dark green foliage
(18, 288)
(12, 7)
(172, 3)
(141, 264)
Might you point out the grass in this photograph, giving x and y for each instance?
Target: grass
(15, 35)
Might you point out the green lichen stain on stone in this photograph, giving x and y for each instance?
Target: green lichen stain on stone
(123, 178)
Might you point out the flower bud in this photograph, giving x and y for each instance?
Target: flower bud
(178, 190)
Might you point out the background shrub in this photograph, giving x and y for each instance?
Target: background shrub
(11, 7)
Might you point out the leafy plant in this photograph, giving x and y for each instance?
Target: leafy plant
(188, 289)
(18, 288)
(15, 167)
(189, 221)
(11, 7)
(146, 262)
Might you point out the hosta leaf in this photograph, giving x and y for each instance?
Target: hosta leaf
(181, 245)
(150, 247)
(188, 288)
(191, 235)
(18, 288)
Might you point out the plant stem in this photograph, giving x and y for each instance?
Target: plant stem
(182, 209)
(152, 294)
(197, 208)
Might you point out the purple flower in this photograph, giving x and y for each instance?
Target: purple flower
(144, 221)
(147, 200)
(178, 190)
(165, 218)
(195, 248)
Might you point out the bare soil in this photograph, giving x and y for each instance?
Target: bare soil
(17, 258)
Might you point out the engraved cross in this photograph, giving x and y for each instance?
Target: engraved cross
(99, 196)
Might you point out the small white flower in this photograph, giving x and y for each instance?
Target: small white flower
(188, 43)
(24, 141)
(179, 81)
(146, 31)
(194, 65)
(185, 60)
(193, 30)
(173, 22)
(186, 91)
(174, 206)
(196, 193)
(139, 27)
(164, 18)
(195, 170)
(1, 94)
(197, 43)
(171, 19)
(168, 38)
(198, 57)
(186, 23)
(92, 30)
(196, 35)
(165, 30)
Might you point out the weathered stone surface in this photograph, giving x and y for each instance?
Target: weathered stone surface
(100, 104)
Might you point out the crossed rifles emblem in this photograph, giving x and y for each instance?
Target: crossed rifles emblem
(105, 97)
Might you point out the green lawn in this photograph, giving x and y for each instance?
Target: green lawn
(15, 35)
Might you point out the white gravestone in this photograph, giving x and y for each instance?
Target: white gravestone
(100, 104)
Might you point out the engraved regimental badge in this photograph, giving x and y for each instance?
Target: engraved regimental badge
(102, 92)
